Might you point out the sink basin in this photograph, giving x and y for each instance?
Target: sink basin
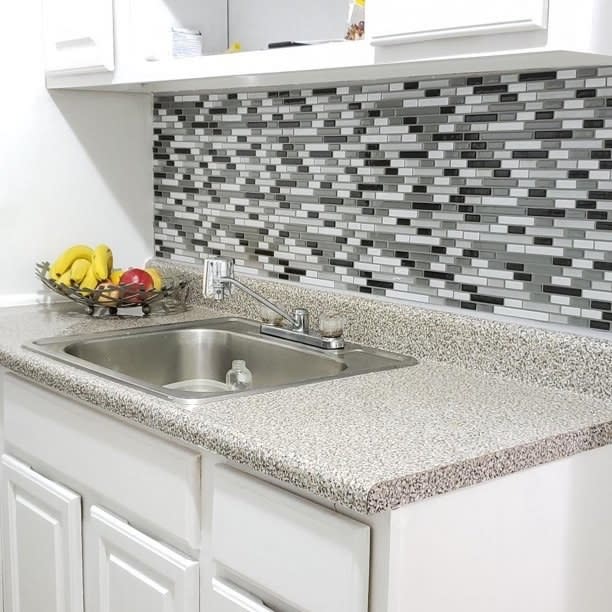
(153, 357)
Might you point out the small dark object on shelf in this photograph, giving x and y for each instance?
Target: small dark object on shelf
(286, 43)
(112, 297)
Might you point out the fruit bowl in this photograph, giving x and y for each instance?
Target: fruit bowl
(111, 297)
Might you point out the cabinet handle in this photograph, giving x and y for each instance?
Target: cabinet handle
(85, 41)
(243, 599)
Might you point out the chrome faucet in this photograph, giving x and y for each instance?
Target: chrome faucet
(217, 284)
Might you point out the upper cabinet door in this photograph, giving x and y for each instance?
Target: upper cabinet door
(398, 21)
(134, 573)
(42, 542)
(79, 36)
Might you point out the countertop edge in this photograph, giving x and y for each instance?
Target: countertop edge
(368, 492)
(60, 377)
(392, 494)
(379, 497)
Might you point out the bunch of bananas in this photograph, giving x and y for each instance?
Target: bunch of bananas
(83, 267)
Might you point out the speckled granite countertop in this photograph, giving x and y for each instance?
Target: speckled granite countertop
(369, 442)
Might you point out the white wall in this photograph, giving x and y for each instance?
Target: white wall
(285, 20)
(75, 167)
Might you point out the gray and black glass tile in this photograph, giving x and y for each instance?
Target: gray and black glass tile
(483, 192)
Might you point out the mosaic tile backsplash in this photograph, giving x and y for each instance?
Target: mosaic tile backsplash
(490, 193)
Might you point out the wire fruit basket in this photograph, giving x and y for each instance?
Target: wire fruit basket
(112, 297)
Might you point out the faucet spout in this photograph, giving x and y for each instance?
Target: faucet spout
(217, 284)
(296, 323)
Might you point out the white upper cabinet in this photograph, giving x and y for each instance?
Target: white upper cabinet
(42, 542)
(404, 38)
(393, 21)
(79, 36)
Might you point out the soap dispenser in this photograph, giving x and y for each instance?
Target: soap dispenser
(239, 378)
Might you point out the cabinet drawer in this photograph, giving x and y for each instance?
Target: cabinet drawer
(131, 471)
(301, 553)
(398, 21)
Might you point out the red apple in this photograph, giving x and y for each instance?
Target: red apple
(135, 280)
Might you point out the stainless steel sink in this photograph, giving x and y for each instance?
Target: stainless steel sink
(152, 357)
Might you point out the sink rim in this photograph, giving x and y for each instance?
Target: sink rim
(55, 348)
(332, 355)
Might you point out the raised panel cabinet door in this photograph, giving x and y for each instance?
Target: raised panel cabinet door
(42, 542)
(399, 21)
(79, 36)
(230, 598)
(135, 573)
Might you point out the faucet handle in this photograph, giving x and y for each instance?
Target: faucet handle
(301, 319)
(216, 270)
(331, 325)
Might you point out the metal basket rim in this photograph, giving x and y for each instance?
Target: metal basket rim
(142, 298)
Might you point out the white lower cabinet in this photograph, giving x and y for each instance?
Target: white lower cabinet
(140, 524)
(127, 570)
(135, 573)
(228, 597)
(297, 552)
(535, 540)
(42, 542)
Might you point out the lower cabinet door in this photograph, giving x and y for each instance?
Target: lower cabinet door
(42, 542)
(227, 597)
(135, 573)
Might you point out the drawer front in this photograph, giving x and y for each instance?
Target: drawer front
(398, 21)
(131, 471)
(301, 553)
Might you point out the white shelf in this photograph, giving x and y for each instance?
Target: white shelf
(328, 61)
(316, 64)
